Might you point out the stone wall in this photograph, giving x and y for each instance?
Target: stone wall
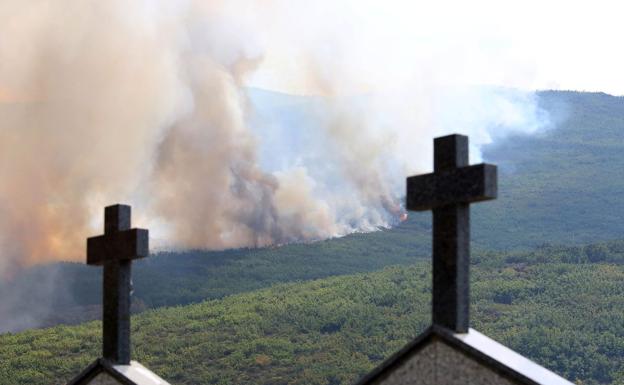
(439, 364)
(104, 379)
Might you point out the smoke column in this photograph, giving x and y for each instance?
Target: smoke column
(148, 102)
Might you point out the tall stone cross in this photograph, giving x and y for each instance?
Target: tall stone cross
(448, 191)
(115, 250)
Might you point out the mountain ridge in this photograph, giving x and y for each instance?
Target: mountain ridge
(561, 186)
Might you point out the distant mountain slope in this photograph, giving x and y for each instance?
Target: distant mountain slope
(562, 186)
(70, 292)
(556, 307)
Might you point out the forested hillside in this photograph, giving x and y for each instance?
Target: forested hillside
(71, 292)
(562, 307)
(561, 186)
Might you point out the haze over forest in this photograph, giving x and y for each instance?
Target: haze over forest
(266, 144)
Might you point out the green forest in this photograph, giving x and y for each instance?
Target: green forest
(561, 186)
(562, 307)
(547, 273)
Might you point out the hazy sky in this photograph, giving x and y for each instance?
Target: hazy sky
(527, 44)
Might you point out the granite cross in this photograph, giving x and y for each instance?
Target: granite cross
(115, 250)
(448, 191)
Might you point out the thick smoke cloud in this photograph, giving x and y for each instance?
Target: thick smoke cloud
(147, 102)
(88, 91)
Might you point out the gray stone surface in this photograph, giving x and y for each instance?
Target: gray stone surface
(418, 369)
(456, 368)
(439, 364)
(104, 379)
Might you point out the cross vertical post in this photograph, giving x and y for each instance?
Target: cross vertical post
(451, 243)
(115, 251)
(448, 192)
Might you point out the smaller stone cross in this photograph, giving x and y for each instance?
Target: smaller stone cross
(115, 250)
(448, 191)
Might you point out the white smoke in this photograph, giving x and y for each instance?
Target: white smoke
(147, 102)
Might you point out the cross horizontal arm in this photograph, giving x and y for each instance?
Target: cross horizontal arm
(461, 185)
(123, 245)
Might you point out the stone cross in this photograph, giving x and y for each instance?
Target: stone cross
(448, 191)
(115, 250)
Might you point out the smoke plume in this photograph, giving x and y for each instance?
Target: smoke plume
(149, 103)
